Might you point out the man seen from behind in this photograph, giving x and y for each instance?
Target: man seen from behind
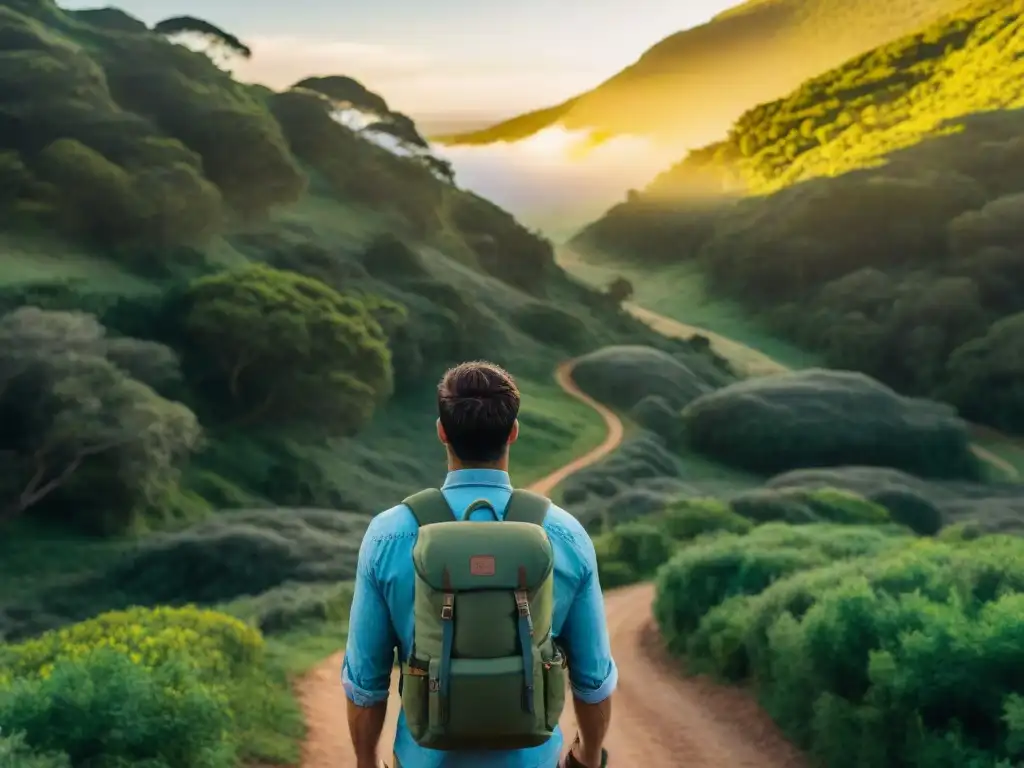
(490, 596)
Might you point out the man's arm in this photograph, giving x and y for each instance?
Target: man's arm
(369, 656)
(592, 671)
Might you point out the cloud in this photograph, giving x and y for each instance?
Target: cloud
(412, 80)
(281, 61)
(558, 180)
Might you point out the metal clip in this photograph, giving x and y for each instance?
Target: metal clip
(523, 603)
(448, 609)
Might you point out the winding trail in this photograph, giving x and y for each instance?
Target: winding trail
(661, 718)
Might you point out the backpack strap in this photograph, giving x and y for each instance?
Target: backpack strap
(429, 506)
(527, 507)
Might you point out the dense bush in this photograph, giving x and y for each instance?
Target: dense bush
(623, 376)
(896, 655)
(827, 418)
(84, 440)
(287, 348)
(923, 506)
(631, 551)
(687, 519)
(800, 505)
(173, 688)
(104, 709)
(703, 575)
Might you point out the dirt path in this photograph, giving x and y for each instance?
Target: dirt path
(751, 362)
(661, 720)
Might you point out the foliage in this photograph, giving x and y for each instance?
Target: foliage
(637, 548)
(913, 649)
(288, 348)
(104, 709)
(78, 426)
(687, 519)
(623, 376)
(884, 227)
(827, 418)
(14, 753)
(762, 49)
(177, 25)
(179, 687)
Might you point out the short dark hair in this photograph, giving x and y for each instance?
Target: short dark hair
(478, 404)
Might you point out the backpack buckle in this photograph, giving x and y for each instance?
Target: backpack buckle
(448, 609)
(522, 602)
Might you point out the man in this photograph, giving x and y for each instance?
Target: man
(478, 406)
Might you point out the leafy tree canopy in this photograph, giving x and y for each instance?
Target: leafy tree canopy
(286, 348)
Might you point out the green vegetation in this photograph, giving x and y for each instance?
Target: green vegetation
(761, 49)
(223, 313)
(907, 269)
(827, 418)
(866, 651)
(165, 687)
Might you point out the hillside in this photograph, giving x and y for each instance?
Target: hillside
(908, 265)
(218, 297)
(689, 87)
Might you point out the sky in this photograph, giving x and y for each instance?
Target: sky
(434, 58)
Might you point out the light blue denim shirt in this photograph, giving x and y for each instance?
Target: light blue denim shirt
(382, 616)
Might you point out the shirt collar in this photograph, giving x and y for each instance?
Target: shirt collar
(493, 477)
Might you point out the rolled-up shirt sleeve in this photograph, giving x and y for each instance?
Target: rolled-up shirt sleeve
(592, 671)
(369, 650)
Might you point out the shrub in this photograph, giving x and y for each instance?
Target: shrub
(104, 708)
(900, 656)
(821, 418)
(215, 647)
(800, 505)
(14, 753)
(630, 552)
(689, 518)
(705, 574)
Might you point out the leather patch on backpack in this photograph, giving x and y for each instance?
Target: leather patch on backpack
(482, 565)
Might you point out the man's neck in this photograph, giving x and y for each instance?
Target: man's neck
(454, 465)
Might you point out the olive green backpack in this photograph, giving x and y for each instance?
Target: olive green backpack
(484, 672)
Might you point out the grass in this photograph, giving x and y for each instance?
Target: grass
(679, 292)
(556, 428)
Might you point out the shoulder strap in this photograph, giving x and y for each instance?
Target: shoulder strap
(527, 507)
(429, 506)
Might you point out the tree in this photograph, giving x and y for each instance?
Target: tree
(220, 46)
(619, 290)
(78, 426)
(285, 348)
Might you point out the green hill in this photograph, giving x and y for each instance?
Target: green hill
(215, 296)
(223, 314)
(908, 265)
(690, 86)
(883, 100)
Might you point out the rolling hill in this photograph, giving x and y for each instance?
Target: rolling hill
(872, 215)
(690, 86)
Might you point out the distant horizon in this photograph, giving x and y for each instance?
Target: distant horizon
(452, 61)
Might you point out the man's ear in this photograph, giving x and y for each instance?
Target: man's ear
(514, 434)
(440, 433)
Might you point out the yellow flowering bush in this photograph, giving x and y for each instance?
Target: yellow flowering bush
(217, 647)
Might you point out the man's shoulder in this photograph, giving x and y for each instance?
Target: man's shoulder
(398, 521)
(566, 527)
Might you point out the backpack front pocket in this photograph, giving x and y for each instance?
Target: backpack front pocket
(488, 705)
